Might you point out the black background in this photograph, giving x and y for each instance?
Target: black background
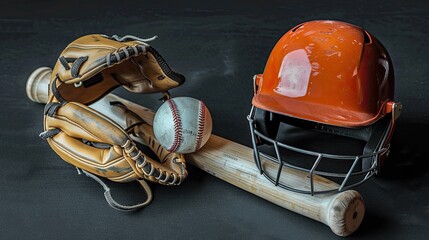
(218, 46)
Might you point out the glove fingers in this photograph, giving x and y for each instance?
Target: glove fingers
(168, 159)
(82, 122)
(170, 163)
(97, 64)
(116, 154)
(108, 162)
(157, 76)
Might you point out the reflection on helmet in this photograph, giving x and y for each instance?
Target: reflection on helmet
(324, 77)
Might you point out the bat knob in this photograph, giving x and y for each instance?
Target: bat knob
(345, 212)
(37, 84)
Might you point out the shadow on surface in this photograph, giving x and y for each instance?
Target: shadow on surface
(408, 150)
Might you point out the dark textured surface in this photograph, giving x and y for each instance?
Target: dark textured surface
(218, 46)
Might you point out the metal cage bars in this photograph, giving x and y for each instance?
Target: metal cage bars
(313, 170)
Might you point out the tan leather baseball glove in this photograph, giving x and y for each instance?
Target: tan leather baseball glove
(89, 68)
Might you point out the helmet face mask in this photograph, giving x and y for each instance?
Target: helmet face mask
(312, 99)
(304, 146)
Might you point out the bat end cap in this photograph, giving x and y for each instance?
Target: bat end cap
(346, 212)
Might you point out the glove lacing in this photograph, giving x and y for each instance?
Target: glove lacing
(110, 199)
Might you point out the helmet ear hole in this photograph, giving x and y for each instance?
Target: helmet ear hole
(267, 123)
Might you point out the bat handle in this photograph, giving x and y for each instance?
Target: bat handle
(38, 83)
(344, 212)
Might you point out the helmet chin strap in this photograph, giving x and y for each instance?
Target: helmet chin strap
(376, 142)
(395, 109)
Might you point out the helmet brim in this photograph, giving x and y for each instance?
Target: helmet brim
(315, 112)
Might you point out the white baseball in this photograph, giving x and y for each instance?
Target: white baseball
(182, 124)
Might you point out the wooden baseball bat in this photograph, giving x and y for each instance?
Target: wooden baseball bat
(232, 162)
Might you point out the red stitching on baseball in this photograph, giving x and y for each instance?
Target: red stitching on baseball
(201, 123)
(177, 126)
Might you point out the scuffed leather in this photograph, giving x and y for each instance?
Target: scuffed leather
(93, 142)
(145, 72)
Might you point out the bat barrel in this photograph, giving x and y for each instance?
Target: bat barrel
(37, 84)
(232, 162)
